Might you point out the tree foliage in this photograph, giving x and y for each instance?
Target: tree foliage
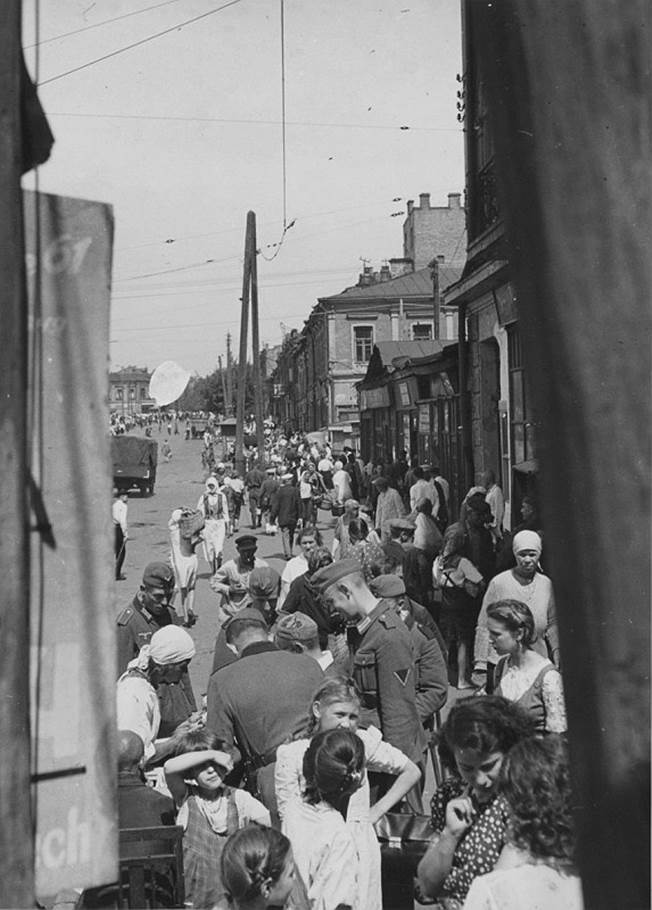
(205, 393)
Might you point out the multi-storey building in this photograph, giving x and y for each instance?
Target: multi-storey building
(314, 383)
(317, 369)
(496, 414)
(129, 391)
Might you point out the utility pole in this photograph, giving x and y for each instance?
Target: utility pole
(223, 381)
(255, 341)
(436, 299)
(249, 291)
(16, 841)
(228, 398)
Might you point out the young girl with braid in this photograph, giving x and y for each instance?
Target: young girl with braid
(322, 843)
(258, 871)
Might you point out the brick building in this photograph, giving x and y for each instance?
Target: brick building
(435, 231)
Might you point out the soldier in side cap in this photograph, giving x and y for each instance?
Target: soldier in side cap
(384, 661)
(149, 610)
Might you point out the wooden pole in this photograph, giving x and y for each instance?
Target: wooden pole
(228, 401)
(255, 336)
(223, 381)
(249, 254)
(16, 842)
(568, 92)
(436, 299)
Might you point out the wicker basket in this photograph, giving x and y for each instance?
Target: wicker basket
(191, 523)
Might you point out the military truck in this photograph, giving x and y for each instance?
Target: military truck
(134, 463)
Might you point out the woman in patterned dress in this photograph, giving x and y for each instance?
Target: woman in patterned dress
(468, 814)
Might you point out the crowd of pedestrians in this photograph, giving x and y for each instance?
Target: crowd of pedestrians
(328, 687)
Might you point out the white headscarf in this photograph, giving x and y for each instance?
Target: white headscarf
(527, 540)
(169, 645)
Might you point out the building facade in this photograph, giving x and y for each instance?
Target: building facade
(129, 391)
(314, 383)
(495, 409)
(409, 401)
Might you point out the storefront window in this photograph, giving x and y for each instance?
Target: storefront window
(521, 425)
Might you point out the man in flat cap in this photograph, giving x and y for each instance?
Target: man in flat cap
(231, 581)
(149, 611)
(384, 664)
(261, 700)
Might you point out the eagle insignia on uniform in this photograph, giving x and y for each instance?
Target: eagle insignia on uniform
(402, 676)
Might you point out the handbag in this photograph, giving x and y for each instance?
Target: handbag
(191, 523)
(409, 834)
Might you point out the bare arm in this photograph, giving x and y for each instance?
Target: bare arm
(403, 783)
(437, 862)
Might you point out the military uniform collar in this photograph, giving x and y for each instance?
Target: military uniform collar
(371, 618)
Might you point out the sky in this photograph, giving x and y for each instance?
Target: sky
(182, 135)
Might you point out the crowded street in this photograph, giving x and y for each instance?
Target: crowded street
(325, 455)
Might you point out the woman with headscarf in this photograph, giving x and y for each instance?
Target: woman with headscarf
(214, 506)
(460, 584)
(527, 584)
(151, 699)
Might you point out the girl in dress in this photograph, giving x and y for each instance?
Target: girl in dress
(208, 812)
(523, 675)
(323, 847)
(336, 705)
(258, 870)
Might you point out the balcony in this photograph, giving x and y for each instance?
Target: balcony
(484, 200)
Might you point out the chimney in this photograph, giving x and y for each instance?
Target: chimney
(410, 206)
(385, 273)
(366, 277)
(424, 200)
(399, 267)
(454, 200)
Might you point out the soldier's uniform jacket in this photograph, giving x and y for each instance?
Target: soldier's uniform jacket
(384, 671)
(431, 671)
(136, 625)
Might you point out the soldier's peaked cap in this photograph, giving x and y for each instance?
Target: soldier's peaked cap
(336, 571)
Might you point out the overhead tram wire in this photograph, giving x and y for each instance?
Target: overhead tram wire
(286, 227)
(348, 208)
(260, 122)
(128, 47)
(87, 28)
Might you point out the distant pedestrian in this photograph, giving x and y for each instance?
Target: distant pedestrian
(285, 509)
(185, 565)
(214, 506)
(120, 532)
